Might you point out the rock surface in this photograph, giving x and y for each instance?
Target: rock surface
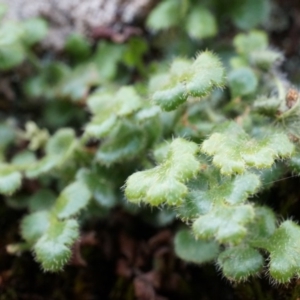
(67, 16)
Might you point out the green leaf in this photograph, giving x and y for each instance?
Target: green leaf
(241, 187)
(255, 40)
(11, 55)
(43, 199)
(242, 81)
(135, 50)
(192, 250)
(165, 183)
(35, 30)
(262, 227)
(201, 23)
(107, 107)
(234, 151)
(203, 194)
(107, 57)
(125, 142)
(185, 79)
(71, 200)
(284, 247)
(78, 47)
(267, 106)
(224, 223)
(165, 15)
(52, 250)
(238, 263)
(10, 179)
(248, 14)
(10, 33)
(33, 226)
(59, 149)
(266, 59)
(23, 159)
(7, 134)
(77, 84)
(101, 189)
(12, 52)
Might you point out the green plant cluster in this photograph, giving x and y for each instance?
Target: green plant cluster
(201, 138)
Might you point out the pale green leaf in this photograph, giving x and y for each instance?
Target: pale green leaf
(248, 14)
(43, 199)
(33, 226)
(107, 57)
(10, 179)
(165, 183)
(284, 248)
(241, 187)
(165, 15)
(7, 134)
(192, 250)
(224, 223)
(101, 189)
(203, 194)
(242, 81)
(262, 227)
(35, 30)
(267, 106)
(233, 150)
(238, 263)
(77, 84)
(107, 107)
(52, 250)
(125, 142)
(23, 159)
(201, 23)
(266, 59)
(255, 40)
(11, 55)
(71, 200)
(185, 79)
(59, 149)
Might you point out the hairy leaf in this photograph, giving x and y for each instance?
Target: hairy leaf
(224, 223)
(124, 143)
(238, 263)
(71, 200)
(107, 107)
(262, 227)
(52, 250)
(233, 150)
(203, 195)
(59, 149)
(284, 248)
(197, 79)
(165, 183)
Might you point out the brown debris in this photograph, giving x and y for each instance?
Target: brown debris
(291, 97)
